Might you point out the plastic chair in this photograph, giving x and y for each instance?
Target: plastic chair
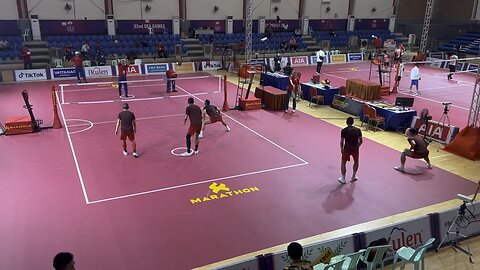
(365, 115)
(378, 253)
(414, 256)
(373, 117)
(350, 261)
(315, 96)
(331, 266)
(26, 35)
(58, 63)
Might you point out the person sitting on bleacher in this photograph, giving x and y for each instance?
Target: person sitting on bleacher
(3, 44)
(293, 44)
(68, 52)
(161, 50)
(295, 252)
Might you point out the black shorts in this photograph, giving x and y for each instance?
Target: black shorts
(452, 68)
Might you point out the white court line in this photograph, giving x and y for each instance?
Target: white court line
(73, 151)
(253, 131)
(109, 87)
(111, 122)
(89, 124)
(195, 183)
(137, 99)
(216, 179)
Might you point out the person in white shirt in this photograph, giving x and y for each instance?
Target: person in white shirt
(85, 50)
(401, 69)
(415, 77)
(320, 57)
(452, 65)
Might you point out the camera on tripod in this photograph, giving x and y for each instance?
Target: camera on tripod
(446, 108)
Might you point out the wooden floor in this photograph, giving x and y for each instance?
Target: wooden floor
(446, 258)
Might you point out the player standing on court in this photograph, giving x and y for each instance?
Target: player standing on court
(351, 139)
(122, 77)
(213, 116)
(320, 57)
(128, 126)
(452, 64)
(171, 75)
(194, 113)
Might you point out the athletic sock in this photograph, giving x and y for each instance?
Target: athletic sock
(196, 147)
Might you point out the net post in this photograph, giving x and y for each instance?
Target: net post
(62, 95)
(225, 101)
(56, 120)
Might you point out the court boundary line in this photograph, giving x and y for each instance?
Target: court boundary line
(84, 190)
(303, 163)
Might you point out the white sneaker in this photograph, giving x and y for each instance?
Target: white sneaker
(228, 129)
(429, 166)
(135, 154)
(286, 111)
(125, 153)
(293, 111)
(354, 178)
(342, 180)
(187, 154)
(200, 135)
(196, 152)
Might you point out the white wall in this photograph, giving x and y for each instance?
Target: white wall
(287, 9)
(203, 9)
(135, 10)
(8, 10)
(315, 9)
(55, 9)
(362, 9)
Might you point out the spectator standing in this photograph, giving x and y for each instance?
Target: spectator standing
(68, 52)
(386, 59)
(277, 61)
(27, 58)
(292, 89)
(320, 57)
(288, 70)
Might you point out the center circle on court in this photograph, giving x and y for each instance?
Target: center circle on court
(184, 149)
(74, 128)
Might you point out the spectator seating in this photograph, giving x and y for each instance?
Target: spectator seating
(340, 39)
(467, 43)
(14, 50)
(126, 43)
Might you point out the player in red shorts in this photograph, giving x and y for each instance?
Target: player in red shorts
(351, 139)
(194, 113)
(418, 149)
(214, 116)
(126, 120)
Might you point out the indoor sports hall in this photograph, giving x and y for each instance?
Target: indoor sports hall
(237, 196)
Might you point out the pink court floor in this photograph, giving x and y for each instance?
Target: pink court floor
(269, 181)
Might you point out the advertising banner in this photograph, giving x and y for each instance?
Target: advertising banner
(347, 105)
(142, 26)
(328, 24)
(338, 58)
(132, 69)
(473, 68)
(283, 62)
(370, 24)
(413, 233)
(73, 27)
(9, 28)
(355, 57)
(160, 68)
(216, 25)
(313, 60)
(282, 25)
(299, 60)
(30, 75)
(440, 132)
(99, 71)
(211, 65)
(57, 73)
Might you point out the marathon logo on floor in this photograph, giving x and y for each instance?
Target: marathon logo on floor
(221, 191)
(30, 75)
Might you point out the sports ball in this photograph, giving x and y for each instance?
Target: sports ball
(29, 53)
(115, 41)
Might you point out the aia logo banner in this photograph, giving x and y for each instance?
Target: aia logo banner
(299, 60)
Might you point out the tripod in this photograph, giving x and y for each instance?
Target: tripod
(457, 222)
(445, 119)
